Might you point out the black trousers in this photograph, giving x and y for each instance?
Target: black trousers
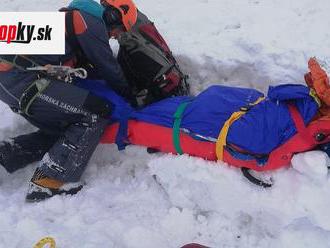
(18, 152)
(71, 125)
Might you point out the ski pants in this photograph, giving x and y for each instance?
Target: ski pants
(71, 123)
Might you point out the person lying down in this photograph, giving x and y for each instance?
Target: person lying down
(240, 126)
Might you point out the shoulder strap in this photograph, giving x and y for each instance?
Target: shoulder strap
(71, 36)
(73, 41)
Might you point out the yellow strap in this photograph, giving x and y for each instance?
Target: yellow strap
(221, 142)
(46, 241)
(222, 139)
(258, 101)
(313, 94)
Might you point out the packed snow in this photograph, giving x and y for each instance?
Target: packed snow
(135, 200)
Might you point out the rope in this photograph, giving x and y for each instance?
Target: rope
(64, 73)
(45, 241)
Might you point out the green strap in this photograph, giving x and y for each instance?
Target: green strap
(176, 127)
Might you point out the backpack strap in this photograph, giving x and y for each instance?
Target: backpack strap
(70, 30)
(71, 36)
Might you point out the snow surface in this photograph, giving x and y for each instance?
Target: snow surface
(133, 199)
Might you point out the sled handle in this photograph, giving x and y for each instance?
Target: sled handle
(246, 173)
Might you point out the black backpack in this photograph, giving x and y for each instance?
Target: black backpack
(149, 65)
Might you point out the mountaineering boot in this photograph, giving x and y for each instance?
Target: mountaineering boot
(20, 151)
(10, 158)
(4, 149)
(42, 187)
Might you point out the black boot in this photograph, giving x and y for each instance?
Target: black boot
(5, 149)
(20, 151)
(8, 157)
(42, 187)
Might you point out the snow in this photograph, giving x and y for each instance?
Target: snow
(313, 164)
(133, 199)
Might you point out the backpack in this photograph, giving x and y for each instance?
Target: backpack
(148, 64)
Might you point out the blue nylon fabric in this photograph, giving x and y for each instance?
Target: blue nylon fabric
(287, 92)
(262, 129)
(121, 109)
(89, 6)
(206, 114)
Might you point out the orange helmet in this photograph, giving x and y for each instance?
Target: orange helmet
(127, 9)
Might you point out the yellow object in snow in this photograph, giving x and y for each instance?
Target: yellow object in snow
(46, 241)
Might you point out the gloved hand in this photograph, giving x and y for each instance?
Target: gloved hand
(126, 92)
(319, 80)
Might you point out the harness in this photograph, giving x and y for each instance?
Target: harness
(25, 64)
(62, 73)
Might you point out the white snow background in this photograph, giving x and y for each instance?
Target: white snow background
(251, 43)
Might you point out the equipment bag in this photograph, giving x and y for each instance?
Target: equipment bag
(149, 65)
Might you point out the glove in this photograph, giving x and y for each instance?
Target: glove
(126, 92)
(318, 77)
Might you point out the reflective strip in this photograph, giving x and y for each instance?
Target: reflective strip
(222, 139)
